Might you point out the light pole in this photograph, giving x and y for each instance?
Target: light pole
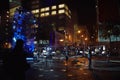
(78, 32)
(65, 41)
(97, 22)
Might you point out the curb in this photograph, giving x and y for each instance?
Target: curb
(101, 67)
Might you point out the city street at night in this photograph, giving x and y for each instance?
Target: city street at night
(58, 70)
(75, 69)
(59, 39)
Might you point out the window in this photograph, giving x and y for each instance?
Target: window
(53, 12)
(47, 14)
(61, 11)
(53, 7)
(35, 11)
(47, 8)
(42, 15)
(42, 9)
(36, 15)
(61, 5)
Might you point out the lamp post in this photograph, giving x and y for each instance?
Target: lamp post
(65, 41)
(78, 32)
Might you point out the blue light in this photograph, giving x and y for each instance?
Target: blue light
(34, 21)
(14, 26)
(21, 24)
(14, 39)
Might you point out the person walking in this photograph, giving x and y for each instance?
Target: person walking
(89, 59)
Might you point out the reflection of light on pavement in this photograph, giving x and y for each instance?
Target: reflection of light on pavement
(51, 70)
(78, 63)
(41, 69)
(85, 73)
(69, 75)
(65, 64)
(40, 75)
(81, 69)
(56, 75)
(29, 59)
(63, 70)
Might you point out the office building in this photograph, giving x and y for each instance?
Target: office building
(108, 20)
(55, 15)
(13, 5)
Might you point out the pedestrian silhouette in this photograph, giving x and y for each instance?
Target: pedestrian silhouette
(66, 57)
(89, 59)
(16, 62)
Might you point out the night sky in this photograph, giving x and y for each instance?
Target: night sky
(109, 11)
(86, 11)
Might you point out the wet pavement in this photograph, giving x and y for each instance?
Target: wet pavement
(59, 69)
(55, 69)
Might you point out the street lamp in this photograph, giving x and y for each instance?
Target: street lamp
(77, 36)
(79, 31)
(65, 36)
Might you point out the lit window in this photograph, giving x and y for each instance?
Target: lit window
(7, 11)
(36, 26)
(47, 8)
(61, 5)
(69, 16)
(36, 15)
(61, 11)
(7, 16)
(42, 10)
(53, 7)
(42, 15)
(66, 7)
(53, 12)
(66, 13)
(47, 14)
(69, 11)
(33, 11)
(37, 10)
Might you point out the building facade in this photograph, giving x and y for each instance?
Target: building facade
(52, 15)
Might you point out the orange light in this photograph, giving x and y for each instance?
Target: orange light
(61, 40)
(86, 39)
(79, 31)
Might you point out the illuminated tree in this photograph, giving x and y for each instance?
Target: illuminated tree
(24, 28)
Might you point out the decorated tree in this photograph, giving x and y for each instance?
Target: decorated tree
(24, 28)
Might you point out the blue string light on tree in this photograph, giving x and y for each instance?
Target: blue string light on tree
(23, 28)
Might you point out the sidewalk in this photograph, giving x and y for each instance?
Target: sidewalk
(111, 65)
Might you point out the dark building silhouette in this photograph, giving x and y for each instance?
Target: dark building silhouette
(109, 11)
(5, 26)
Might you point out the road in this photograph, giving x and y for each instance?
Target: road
(55, 69)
